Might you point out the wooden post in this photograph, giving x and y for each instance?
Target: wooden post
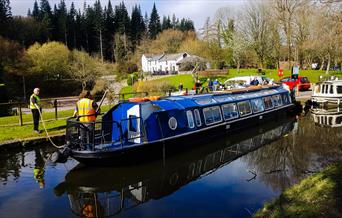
(20, 115)
(55, 106)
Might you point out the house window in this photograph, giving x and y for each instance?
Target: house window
(197, 118)
(190, 117)
(277, 100)
(257, 105)
(268, 103)
(212, 115)
(230, 111)
(244, 108)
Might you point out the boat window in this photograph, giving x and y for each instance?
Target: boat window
(203, 101)
(244, 108)
(326, 89)
(331, 89)
(197, 117)
(190, 117)
(133, 123)
(212, 115)
(173, 123)
(277, 100)
(338, 120)
(257, 105)
(339, 89)
(230, 111)
(286, 98)
(268, 102)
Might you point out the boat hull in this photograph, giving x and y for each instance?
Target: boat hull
(158, 149)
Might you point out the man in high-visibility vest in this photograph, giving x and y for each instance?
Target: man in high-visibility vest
(85, 111)
(35, 107)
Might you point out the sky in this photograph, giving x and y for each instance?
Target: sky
(196, 10)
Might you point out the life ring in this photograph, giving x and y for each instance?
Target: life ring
(148, 98)
(136, 99)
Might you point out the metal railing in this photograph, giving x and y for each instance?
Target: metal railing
(99, 134)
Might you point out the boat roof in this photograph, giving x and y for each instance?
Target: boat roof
(338, 82)
(190, 101)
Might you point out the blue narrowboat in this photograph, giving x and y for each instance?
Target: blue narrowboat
(131, 127)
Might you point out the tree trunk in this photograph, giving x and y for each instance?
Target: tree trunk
(328, 65)
(321, 68)
(238, 66)
(101, 49)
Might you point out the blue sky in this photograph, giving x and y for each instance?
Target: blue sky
(196, 10)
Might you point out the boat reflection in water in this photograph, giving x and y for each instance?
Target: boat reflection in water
(99, 192)
(327, 117)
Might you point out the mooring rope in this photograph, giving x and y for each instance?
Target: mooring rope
(47, 134)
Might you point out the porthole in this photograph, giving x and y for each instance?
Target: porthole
(173, 123)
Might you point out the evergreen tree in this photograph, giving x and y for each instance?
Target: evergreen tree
(45, 16)
(98, 24)
(35, 11)
(166, 23)
(122, 21)
(5, 17)
(29, 14)
(71, 26)
(62, 22)
(137, 27)
(109, 31)
(154, 24)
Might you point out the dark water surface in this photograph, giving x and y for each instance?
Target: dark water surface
(228, 177)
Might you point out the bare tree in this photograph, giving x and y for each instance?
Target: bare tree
(285, 12)
(255, 27)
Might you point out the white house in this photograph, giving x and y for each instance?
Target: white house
(166, 63)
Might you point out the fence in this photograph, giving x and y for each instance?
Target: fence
(52, 108)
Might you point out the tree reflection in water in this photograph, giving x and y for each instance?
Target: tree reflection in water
(112, 190)
(307, 149)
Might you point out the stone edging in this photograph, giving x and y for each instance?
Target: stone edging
(60, 139)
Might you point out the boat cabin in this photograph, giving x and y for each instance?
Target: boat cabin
(133, 123)
(328, 92)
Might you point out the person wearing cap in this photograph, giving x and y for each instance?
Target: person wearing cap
(35, 107)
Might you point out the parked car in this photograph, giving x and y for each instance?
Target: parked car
(246, 80)
(302, 83)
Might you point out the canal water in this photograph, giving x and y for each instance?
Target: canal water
(228, 177)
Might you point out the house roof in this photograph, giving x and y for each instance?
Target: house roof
(172, 57)
(191, 59)
(153, 57)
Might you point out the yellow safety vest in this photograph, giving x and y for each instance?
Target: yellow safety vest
(86, 110)
(32, 106)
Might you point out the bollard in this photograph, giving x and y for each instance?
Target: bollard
(55, 105)
(20, 115)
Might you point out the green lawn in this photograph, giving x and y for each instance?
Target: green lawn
(188, 81)
(316, 196)
(10, 130)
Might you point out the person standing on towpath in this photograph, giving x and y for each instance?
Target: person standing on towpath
(35, 107)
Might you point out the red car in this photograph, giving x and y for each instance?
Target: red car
(302, 83)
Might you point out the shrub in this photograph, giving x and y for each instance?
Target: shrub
(132, 78)
(156, 87)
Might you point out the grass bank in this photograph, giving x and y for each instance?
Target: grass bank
(9, 130)
(188, 82)
(319, 195)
